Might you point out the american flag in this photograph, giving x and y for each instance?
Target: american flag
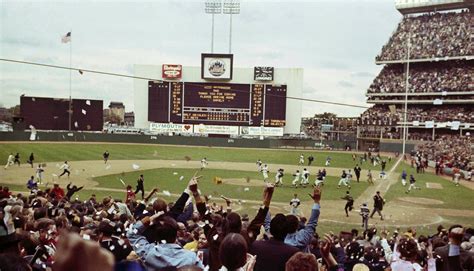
(66, 38)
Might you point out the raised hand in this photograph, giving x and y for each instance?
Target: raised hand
(316, 196)
(267, 194)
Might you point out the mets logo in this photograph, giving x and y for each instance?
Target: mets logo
(216, 67)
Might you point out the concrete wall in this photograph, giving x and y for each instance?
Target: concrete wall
(291, 77)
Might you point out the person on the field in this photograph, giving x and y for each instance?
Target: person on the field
(140, 186)
(10, 160)
(324, 173)
(106, 156)
(204, 163)
(32, 185)
(404, 177)
(357, 171)
(296, 176)
(319, 178)
(349, 203)
(328, 161)
(265, 172)
(349, 176)
(364, 213)
(382, 175)
(301, 161)
(412, 184)
(383, 164)
(305, 179)
(17, 159)
(456, 175)
(310, 160)
(295, 202)
(39, 173)
(343, 180)
(279, 177)
(259, 165)
(65, 167)
(370, 178)
(31, 159)
(71, 190)
(378, 205)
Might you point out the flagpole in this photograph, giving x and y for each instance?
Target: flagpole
(70, 77)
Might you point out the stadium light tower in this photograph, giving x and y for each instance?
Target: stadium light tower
(231, 7)
(407, 82)
(213, 7)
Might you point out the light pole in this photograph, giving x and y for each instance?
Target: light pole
(407, 76)
(213, 7)
(231, 7)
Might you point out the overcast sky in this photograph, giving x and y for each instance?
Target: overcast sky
(335, 41)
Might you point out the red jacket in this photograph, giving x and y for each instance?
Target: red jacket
(58, 192)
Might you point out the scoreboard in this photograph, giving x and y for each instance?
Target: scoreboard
(217, 103)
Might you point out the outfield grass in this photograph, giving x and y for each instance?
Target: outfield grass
(165, 179)
(454, 197)
(78, 152)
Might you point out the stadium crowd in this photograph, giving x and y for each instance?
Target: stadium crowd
(46, 230)
(425, 77)
(382, 115)
(431, 35)
(448, 151)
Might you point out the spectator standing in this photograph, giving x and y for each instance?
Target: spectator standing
(140, 186)
(349, 203)
(17, 159)
(357, 171)
(378, 205)
(31, 159)
(106, 155)
(71, 190)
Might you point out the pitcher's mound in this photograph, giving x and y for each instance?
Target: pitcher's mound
(421, 200)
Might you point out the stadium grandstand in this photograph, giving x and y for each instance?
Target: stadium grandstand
(434, 50)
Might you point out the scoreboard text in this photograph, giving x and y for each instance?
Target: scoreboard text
(217, 103)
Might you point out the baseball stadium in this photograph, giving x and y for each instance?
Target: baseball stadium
(219, 166)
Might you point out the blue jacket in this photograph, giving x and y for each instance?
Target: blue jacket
(158, 256)
(302, 238)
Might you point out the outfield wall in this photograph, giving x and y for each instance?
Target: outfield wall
(173, 140)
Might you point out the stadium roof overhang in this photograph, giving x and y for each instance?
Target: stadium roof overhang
(434, 59)
(405, 7)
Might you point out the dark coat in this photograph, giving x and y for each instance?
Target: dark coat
(465, 260)
(272, 255)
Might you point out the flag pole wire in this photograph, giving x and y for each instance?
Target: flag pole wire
(160, 80)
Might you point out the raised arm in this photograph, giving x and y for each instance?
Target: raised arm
(254, 227)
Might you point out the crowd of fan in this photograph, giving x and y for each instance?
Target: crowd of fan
(425, 77)
(431, 36)
(449, 151)
(382, 115)
(46, 230)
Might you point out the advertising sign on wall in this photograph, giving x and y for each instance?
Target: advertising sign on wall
(216, 129)
(216, 66)
(171, 128)
(261, 131)
(171, 71)
(263, 73)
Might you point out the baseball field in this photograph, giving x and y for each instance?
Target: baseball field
(168, 168)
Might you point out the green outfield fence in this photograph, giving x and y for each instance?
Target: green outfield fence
(175, 140)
